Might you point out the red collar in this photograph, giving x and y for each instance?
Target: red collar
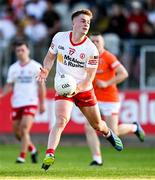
(76, 44)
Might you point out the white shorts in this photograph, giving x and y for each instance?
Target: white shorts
(109, 108)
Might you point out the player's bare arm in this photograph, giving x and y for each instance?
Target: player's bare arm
(85, 83)
(121, 75)
(88, 80)
(42, 96)
(7, 89)
(47, 65)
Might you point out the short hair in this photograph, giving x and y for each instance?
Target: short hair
(95, 34)
(82, 11)
(20, 43)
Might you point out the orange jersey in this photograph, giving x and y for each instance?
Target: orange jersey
(106, 70)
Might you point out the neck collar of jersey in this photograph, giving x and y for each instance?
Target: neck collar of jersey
(23, 64)
(76, 44)
(103, 51)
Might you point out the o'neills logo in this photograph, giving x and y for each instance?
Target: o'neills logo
(69, 61)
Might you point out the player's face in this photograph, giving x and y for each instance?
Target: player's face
(98, 41)
(22, 52)
(81, 24)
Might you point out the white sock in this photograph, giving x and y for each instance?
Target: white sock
(109, 133)
(134, 128)
(33, 151)
(21, 159)
(49, 154)
(97, 158)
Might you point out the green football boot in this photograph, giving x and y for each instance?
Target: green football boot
(48, 161)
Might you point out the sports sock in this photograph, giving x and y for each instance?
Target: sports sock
(32, 149)
(97, 158)
(22, 155)
(134, 129)
(108, 134)
(50, 151)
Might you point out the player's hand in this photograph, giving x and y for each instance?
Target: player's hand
(42, 76)
(74, 93)
(102, 84)
(69, 95)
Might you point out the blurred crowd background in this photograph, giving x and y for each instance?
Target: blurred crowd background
(128, 28)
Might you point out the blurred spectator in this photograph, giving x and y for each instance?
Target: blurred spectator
(149, 5)
(19, 36)
(149, 31)
(63, 9)
(117, 20)
(18, 7)
(80, 5)
(7, 29)
(36, 8)
(137, 18)
(52, 20)
(101, 21)
(9, 14)
(112, 43)
(151, 12)
(133, 29)
(36, 31)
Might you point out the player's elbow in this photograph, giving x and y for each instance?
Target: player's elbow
(126, 75)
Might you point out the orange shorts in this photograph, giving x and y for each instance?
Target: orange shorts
(17, 113)
(82, 99)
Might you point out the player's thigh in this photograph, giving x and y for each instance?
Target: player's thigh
(63, 109)
(91, 113)
(112, 122)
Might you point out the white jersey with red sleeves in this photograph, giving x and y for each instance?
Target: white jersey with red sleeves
(73, 59)
(25, 91)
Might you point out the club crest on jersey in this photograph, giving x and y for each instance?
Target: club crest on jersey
(82, 55)
(71, 51)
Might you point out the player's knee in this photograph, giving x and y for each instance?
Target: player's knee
(24, 130)
(61, 122)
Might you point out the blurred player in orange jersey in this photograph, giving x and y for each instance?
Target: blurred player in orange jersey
(27, 93)
(110, 72)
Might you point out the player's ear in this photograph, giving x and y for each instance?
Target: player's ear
(28, 51)
(73, 21)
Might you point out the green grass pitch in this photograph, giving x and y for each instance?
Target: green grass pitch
(72, 163)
